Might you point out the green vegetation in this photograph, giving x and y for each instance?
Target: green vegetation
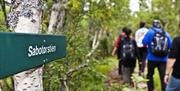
(106, 65)
(157, 81)
(91, 33)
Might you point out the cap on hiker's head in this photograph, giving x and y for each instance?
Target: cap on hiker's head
(156, 23)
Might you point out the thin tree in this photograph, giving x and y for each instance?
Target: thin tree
(57, 16)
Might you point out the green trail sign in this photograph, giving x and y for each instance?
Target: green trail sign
(19, 52)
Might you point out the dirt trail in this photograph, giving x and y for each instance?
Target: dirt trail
(115, 78)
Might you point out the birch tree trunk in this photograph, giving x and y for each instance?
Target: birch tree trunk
(26, 17)
(56, 22)
(176, 3)
(0, 86)
(178, 19)
(57, 16)
(96, 40)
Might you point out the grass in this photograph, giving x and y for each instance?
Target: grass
(107, 65)
(157, 84)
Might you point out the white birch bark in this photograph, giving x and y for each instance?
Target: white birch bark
(26, 17)
(0, 86)
(57, 16)
(96, 40)
(56, 22)
(178, 20)
(176, 5)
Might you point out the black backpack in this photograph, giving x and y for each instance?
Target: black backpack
(126, 49)
(159, 44)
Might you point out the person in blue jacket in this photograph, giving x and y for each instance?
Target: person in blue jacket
(155, 60)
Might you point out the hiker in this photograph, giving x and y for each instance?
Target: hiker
(158, 42)
(173, 63)
(115, 49)
(139, 35)
(127, 52)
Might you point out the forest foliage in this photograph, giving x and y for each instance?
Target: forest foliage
(91, 27)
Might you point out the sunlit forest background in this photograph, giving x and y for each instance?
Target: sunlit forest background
(91, 28)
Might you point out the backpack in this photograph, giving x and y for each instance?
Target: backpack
(159, 44)
(126, 50)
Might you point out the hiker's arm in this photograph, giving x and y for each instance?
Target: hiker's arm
(169, 66)
(116, 46)
(136, 37)
(114, 51)
(172, 55)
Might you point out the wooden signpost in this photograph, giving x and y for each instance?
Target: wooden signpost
(20, 52)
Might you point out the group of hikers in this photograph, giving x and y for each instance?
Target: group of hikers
(155, 45)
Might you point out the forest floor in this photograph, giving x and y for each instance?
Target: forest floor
(114, 78)
(109, 68)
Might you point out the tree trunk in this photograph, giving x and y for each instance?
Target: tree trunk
(57, 16)
(96, 40)
(26, 17)
(1, 89)
(56, 22)
(178, 22)
(177, 2)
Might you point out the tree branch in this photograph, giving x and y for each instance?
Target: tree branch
(94, 46)
(71, 71)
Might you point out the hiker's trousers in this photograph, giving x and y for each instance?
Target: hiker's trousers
(127, 73)
(161, 66)
(173, 84)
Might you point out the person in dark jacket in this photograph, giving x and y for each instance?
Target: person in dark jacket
(128, 53)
